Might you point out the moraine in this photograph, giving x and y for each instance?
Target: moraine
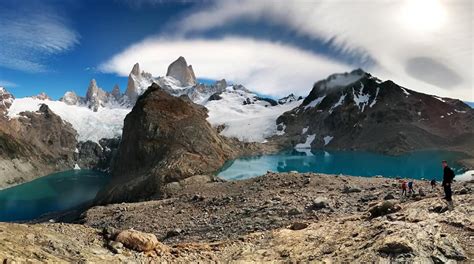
(417, 165)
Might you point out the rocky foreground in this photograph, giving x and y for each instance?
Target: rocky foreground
(287, 217)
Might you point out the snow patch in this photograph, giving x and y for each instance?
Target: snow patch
(338, 103)
(305, 129)
(282, 131)
(360, 99)
(466, 176)
(307, 143)
(439, 98)
(90, 125)
(327, 139)
(315, 102)
(251, 122)
(76, 167)
(375, 99)
(405, 91)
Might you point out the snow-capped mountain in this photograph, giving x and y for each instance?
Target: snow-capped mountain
(100, 114)
(358, 111)
(96, 98)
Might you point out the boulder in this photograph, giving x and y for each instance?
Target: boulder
(384, 208)
(319, 203)
(298, 226)
(137, 240)
(395, 245)
(351, 189)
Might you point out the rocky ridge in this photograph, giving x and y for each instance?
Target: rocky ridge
(356, 111)
(35, 144)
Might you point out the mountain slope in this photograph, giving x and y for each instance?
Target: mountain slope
(34, 144)
(358, 111)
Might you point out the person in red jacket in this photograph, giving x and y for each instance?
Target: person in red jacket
(404, 187)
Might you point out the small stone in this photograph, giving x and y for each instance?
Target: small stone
(389, 197)
(115, 247)
(384, 208)
(351, 189)
(294, 211)
(109, 232)
(174, 232)
(395, 245)
(319, 203)
(298, 226)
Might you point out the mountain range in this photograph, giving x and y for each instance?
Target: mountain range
(350, 111)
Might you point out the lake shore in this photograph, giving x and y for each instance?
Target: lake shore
(276, 217)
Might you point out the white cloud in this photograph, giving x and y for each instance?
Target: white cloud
(262, 66)
(423, 44)
(31, 33)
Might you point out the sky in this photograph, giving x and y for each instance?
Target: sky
(273, 47)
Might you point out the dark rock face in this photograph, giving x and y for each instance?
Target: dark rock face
(358, 111)
(215, 97)
(97, 156)
(33, 145)
(165, 139)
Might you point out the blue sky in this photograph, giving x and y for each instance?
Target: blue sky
(272, 47)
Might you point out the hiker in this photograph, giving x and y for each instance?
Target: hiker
(410, 188)
(448, 176)
(404, 188)
(433, 184)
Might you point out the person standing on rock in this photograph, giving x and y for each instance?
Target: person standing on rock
(448, 176)
(410, 188)
(404, 188)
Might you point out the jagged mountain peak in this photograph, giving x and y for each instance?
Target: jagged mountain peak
(180, 71)
(136, 69)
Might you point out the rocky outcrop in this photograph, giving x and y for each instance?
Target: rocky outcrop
(116, 94)
(180, 71)
(33, 145)
(95, 96)
(289, 98)
(6, 100)
(42, 96)
(97, 156)
(138, 81)
(357, 111)
(71, 98)
(165, 139)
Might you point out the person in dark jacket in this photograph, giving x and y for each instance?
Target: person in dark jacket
(448, 176)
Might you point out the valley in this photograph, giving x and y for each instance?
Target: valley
(164, 147)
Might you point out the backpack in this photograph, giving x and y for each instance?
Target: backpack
(451, 174)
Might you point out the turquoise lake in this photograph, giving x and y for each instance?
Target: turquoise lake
(417, 165)
(52, 193)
